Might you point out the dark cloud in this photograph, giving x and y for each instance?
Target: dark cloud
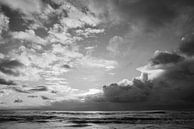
(66, 66)
(53, 92)
(2, 103)
(29, 91)
(175, 85)
(136, 92)
(38, 88)
(41, 32)
(171, 86)
(162, 58)
(32, 96)
(10, 63)
(154, 12)
(181, 72)
(17, 89)
(45, 98)
(151, 13)
(16, 22)
(53, 4)
(8, 66)
(187, 45)
(18, 101)
(7, 82)
(24, 6)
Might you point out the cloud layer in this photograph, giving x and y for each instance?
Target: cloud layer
(166, 82)
(39, 46)
(64, 50)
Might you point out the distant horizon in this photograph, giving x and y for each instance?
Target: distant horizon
(151, 108)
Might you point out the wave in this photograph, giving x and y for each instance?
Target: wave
(87, 118)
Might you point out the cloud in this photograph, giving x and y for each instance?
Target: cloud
(9, 66)
(187, 45)
(4, 24)
(90, 61)
(45, 98)
(19, 89)
(66, 66)
(136, 92)
(29, 89)
(114, 44)
(162, 58)
(18, 101)
(25, 6)
(32, 96)
(143, 10)
(150, 15)
(88, 32)
(124, 82)
(28, 35)
(168, 81)
(104, 10)
(38, 88)
(6, 82)
(42, 46)
(46, 59)
(10, 63)
(78, 18)
(45, 63)
(172, 87)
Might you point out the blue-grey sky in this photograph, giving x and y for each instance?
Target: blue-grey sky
(65, 51)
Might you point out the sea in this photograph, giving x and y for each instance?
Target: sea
(37, 119)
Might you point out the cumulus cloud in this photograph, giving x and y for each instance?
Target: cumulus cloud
(137, 92)
(173, 87)
(170, 88)
(25, 6)
(6, 82)
(4, 23)
(28, 35)
(57, 51)
(9, 66)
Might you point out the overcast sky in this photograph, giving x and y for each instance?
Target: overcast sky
(84, 54)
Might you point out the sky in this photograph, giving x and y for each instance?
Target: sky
(84, 54)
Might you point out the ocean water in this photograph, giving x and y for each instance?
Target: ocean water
(35, 119)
